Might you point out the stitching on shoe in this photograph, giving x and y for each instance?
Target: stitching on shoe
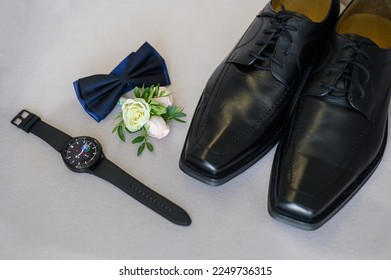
(347, 156)
(247, 161)
(294, 138)
(214, 100)
(364, 176)
(256, 124)
(343, 198)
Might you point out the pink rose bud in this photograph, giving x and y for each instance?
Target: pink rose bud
(157, 127)
(165, 97)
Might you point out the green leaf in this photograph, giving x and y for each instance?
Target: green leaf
(149, 146)
(120, 131)
(151, 93)
(154, 102)
(181, 114)
(161, 93)
(131, 132)
(179, 120)
(140, 149)
(146, 91)
(121, 123)
(170, 109)
(174, 112)
(157, 108)
(165, 94)
(137, 92)
(119, 116)
(138, 139)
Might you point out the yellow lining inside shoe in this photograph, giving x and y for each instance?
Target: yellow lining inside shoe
(371, 26)
(315, 10)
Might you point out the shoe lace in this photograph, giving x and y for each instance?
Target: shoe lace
(280, 27)
(346, 74)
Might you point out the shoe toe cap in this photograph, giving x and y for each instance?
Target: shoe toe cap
(305, 196)
(294, 206)
(202, 159)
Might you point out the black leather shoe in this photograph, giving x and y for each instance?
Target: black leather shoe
(338, 133)
(246, 102)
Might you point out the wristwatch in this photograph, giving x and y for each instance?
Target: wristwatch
(84, 154)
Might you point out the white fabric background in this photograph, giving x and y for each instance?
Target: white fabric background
(48, 212)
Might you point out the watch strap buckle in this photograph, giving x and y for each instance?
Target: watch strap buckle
(25, 120)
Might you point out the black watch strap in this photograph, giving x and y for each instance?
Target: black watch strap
(161, 205)
(105, 169)
(30, 122)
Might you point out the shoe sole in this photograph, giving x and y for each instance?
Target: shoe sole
(248, 161)
(336, 205)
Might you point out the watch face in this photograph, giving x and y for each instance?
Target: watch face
(81, 153)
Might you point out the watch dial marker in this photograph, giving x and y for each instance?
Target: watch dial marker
(81, 152)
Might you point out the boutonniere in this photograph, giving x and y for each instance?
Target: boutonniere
(147, 115)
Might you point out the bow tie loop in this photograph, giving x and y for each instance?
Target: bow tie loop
(98, 94)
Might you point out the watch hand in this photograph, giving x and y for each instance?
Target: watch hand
(79, 154)
(83, 149)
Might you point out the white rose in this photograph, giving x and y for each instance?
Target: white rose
(135, 113)
(164, 100)
(157, 127)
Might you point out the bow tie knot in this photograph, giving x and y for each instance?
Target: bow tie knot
(125, 80)
(98, 94)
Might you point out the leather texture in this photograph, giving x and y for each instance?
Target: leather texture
(250, 95)
(337, 136)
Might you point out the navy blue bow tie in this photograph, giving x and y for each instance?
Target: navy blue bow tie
(98, 94)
